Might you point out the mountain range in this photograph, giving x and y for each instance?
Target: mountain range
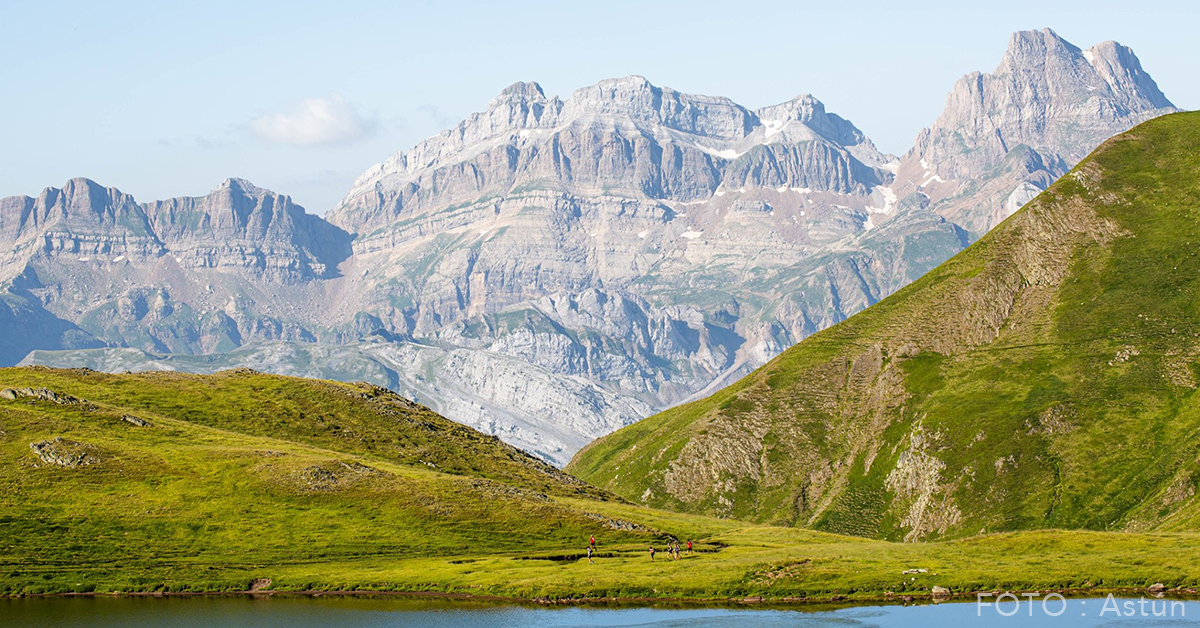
(550, 270)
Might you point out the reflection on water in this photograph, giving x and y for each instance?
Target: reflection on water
(304, 612)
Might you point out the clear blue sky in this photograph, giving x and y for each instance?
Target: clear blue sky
(302, 96)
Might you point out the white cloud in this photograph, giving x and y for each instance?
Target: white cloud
(314, 122)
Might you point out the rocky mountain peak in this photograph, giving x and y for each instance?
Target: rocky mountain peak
(239, 223)
(1037, 43)
(810, 112)
(1045, 92)
(517, 106)
(242, 186)
(81, 195)
(81, 206)
(1123, 72)
(240, 199)
(1046, 95)
(802, 108)
(638, 100)
(521, 90)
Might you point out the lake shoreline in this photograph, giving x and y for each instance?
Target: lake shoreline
(814, 603)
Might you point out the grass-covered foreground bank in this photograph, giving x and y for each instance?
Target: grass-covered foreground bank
(173, 483)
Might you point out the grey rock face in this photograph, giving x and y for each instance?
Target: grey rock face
(239, 225)
(624, 137)
(1048, 100)
(64, 453)
(236, 226)
(551, 269)
(44, 394)
(86, 266)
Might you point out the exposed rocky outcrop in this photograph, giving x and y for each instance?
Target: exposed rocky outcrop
(44, 394)
(136, 421)
(65, 453)
(616, 524)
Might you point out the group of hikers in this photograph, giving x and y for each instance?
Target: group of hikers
(672, 548)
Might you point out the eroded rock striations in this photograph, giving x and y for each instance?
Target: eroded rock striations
(551, 269)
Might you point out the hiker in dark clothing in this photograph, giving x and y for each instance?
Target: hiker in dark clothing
(651, 553)
(590, 550)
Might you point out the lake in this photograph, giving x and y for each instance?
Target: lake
(348, 612)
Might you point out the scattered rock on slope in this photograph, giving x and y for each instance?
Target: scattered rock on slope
(64, 453)
(44, 394)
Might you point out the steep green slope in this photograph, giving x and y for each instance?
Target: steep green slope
(1045, 377)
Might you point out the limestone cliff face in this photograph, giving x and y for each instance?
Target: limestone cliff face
(1049, 102)
(239, 225)
(188, 275)
(82, 218)
(630, 234)
(622, 137)
(626, 248)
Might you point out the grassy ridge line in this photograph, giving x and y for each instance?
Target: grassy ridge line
(359, 419)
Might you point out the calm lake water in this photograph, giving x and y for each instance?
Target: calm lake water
(303, 612)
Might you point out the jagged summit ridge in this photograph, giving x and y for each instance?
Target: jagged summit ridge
(238, 224)
(1047, 96)
(523, 135)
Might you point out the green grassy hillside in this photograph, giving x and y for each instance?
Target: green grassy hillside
(157, 475)
(1044, 378)
(168, 483)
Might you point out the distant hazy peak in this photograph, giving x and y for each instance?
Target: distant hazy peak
(236, 224)
(78, 202)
